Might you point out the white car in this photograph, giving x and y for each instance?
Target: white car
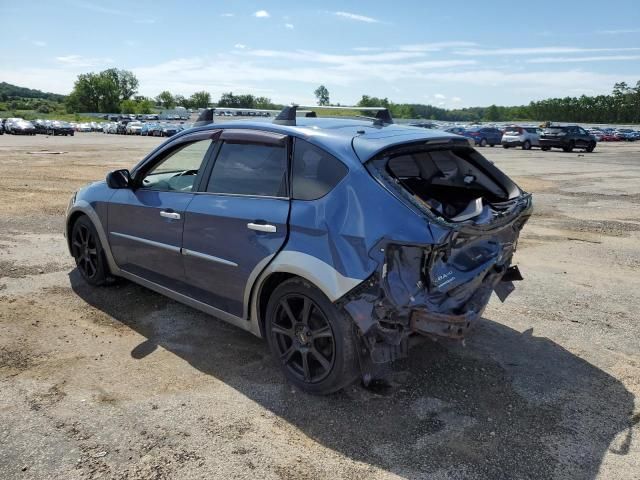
(525, 137)
(133, 128)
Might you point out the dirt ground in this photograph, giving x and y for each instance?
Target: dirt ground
(123, 383)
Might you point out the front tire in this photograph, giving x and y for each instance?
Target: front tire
(591, 147)
(312, 341)
(483, 142)
(88, 252)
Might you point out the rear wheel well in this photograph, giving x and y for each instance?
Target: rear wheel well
(267, 288)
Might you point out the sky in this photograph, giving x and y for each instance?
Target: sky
(447, 53)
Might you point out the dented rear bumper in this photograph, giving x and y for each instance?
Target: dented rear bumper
(440, 291)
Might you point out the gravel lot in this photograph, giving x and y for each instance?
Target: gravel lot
(123, 383)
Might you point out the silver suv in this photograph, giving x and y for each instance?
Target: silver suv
(525, 137)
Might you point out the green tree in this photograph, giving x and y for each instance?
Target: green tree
(492, 114)
(102, 92)
(166, 100)
(181, 101)
(199, 100)
(129, 106)
(322, 95)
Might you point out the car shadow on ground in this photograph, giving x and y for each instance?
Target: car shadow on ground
(507, 405)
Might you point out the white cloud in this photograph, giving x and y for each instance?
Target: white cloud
(620, 31)
(261, 14)
(319, 57)
(227, 15)
(439, 96)
(240, 46)
(602, 58)
(289, 26)
(39, 43)
(80, 61)
(356, 17)
(437, 46)
(538, 50)
(456, 100)
(145, 21)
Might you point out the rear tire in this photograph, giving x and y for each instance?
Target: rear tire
(591, 147)
(483, 142)
(313, 342)
(545, 149)
(526, 145)
(88, 253)
(505, 146)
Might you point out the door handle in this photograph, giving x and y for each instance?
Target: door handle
(167, 214)
(262, 227)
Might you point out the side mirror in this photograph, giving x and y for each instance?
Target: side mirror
(119, 179)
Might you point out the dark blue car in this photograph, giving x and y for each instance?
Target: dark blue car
(483, 136)
(334, 239)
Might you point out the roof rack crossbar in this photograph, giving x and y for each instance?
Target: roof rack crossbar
(288, 114)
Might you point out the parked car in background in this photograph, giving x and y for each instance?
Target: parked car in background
(170, 130)
(483, 136)
(455, 130)
(1, 127)
(568, 138)
(423, 125)
(19, 126)
(133, 128)
(121, 127)
(41, 125)
(334, 239)
(84, 127)
(147, 128)
(59, 128)
(626, 134)
(525, 137)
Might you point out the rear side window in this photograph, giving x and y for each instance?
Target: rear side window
(315, 172)
(249, 169)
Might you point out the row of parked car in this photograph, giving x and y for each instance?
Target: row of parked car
(565, 137)
(20, 126)
(151, 129)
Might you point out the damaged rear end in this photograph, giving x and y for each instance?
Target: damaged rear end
(440, 285)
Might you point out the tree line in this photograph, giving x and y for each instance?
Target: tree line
(116, 91)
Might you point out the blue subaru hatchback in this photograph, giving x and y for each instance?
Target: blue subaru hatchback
(335, 239)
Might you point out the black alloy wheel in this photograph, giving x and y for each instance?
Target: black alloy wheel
(303, 338)
(88, 254)
(312, 341)
(85, 251)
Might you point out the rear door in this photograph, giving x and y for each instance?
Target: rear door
(238, 219)
(146, 222)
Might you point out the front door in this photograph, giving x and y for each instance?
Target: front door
(235, 225)
(147, 221)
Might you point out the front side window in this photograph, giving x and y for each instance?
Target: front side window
(249, 169)
(179, 170)
(315, 172)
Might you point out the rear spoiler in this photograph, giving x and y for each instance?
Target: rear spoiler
(288, 114)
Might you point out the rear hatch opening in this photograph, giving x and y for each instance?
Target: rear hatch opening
(456, 184)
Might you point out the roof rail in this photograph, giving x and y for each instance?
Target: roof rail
(206, 116)
(288, 114)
